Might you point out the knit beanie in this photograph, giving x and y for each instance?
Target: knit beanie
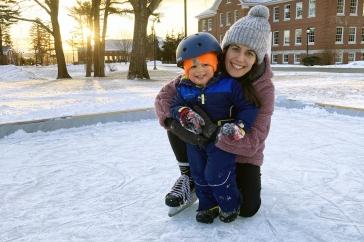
(209, 58)
(252, 31)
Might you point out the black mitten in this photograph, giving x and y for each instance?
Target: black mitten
(185, 135)
(209, 129)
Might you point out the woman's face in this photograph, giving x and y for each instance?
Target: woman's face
(239, 60)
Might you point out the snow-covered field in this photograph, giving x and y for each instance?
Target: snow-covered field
(107, 182)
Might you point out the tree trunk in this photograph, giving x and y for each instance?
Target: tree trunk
(61, 62)
(2, 56)
(138, 67)
(89, 50)
(102, 47)
(96, 22)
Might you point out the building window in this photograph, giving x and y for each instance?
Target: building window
(312, 8)
(204, 26)
(339, 58)
(353, 7)
(362, 35)
(299, 10)
(339, 35)
(222, 22)
(285, 59)
(229, 18)
(287, 12)
(236, 15)
(340, 9)
(286, 37)
(297, 58)
(352, 35)
(362, 56)
(351, 57)
(276, 14)
(209, 24)
(275, 38)
(298, 36)
(275, 59)
(311, 36)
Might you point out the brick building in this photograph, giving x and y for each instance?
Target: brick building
(330, 29)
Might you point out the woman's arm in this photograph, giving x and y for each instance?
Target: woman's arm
(254, 139)
(163, 101)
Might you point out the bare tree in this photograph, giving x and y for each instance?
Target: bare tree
(8, 10)
(51, 7)
(143, 9)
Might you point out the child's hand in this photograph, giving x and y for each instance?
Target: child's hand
(234, 130)
(191, 120)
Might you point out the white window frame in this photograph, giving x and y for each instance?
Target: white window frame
(339, 57)
(297, 58)
(286, 37)
(351, 56)
(340, 7)
(274, 58)
(283, 58)
(228, 1)
(350, 34)
(204, 25)
(228, 22)
(311, 37)
(339, 40)
(353, 6)
(311, 8)
(299, 10)
(362, 35)
(276, 38)
(209, 24)
(287, 12)
(298, 36)
(221, 19)
(276, 14)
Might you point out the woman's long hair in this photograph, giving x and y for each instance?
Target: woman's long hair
(246, 80)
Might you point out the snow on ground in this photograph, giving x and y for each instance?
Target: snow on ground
(107, 183)
(38, 95)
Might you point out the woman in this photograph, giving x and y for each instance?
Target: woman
(244, 58)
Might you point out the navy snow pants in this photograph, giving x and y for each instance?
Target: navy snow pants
(213, 171)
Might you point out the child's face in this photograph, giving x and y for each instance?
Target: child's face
(200, 73)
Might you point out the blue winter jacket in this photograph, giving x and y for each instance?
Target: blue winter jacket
(222, 98)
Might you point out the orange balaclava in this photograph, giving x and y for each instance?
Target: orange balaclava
(209, 58)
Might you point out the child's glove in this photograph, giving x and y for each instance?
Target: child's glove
(191, 120)
(234, 130)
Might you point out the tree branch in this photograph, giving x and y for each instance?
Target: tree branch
(36, 21)
(43, 6)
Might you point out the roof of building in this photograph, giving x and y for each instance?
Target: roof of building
(215, 6)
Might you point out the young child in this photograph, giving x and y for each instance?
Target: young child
(222, 99)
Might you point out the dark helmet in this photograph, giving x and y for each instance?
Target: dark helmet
(196, 45)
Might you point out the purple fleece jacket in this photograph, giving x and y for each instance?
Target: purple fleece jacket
(250, 148)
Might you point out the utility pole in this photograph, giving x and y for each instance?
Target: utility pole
(185, 5)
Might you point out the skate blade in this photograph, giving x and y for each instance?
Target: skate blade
(176, 210)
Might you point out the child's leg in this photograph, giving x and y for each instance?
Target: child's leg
(197, 158)
(220, 174)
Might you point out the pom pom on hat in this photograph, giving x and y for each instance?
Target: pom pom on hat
(252, 31)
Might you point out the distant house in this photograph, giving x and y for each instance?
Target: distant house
(116, 50)
(330, 29)
(9, 56)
